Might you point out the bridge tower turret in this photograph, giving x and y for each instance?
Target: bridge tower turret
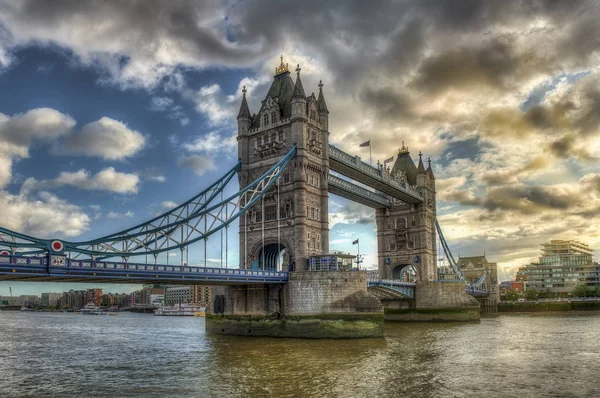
(406, 233)
(291, 223)
(244, 120)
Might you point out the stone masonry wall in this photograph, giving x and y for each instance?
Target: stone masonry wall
(313, 293)
(443, 295)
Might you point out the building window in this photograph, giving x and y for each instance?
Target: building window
(270, 212)
(273, 136)
(273, 117)
(286, 178)
(281, 136)
(266, 120)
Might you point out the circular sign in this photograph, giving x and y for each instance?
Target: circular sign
(4, 253)
(57, 246)
(416, 259)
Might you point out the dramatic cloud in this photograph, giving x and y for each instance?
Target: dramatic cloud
(504, 96)
(17, 133)
(105, 180)
(43, 216)
(106, 138)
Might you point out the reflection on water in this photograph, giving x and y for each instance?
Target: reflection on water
(44, 354)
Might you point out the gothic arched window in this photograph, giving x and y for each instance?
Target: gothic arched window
(273, 117)
(266, 119)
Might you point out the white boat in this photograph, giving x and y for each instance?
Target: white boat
(27, 308)
(180, 310)
(91, 309)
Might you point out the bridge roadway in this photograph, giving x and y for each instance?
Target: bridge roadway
(62, 269)
(354, 168)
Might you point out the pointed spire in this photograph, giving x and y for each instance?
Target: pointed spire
(298, 89)
(244, 109)
(429, 170)
(420, 167)
(321, 101)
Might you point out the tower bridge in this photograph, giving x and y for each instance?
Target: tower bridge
(285, 177)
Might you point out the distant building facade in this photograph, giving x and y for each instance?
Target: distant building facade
(563, 265)
(196, 294)
(50, 299)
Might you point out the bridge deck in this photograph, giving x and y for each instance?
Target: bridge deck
(348, 190)
(39, 269)
(353, 167)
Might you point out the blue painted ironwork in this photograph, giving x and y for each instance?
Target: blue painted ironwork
(53, 267)
(457, 271)
(407, 289)
(346, 189)
(193, 221)
(354, 163)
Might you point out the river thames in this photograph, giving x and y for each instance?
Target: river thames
(66, 354)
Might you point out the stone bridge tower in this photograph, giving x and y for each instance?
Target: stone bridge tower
(283, 235)
(406, 234)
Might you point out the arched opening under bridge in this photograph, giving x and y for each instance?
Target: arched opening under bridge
(273, 257)
(405, 272)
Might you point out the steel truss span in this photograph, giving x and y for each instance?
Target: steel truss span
(195, 220)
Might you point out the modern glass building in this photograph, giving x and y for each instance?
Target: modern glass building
(563, 265)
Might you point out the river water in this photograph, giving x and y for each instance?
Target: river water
(60, 355)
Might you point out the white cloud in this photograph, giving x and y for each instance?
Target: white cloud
(168, 204)
(209, 102)
(211, 143)
(45, 216)
(105, 180)
(199, 164)
(106, 138)
(113, 215)
(18, 131)
(161, 103)
(157, 178)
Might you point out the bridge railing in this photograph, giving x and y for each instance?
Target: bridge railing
(356, 163)
(359, 191)
(395, 282)
(68, 264)
(23, 260)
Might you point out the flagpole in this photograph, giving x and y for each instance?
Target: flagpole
(370, 157)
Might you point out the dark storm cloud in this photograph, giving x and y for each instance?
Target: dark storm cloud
(530, 199)
(567, 146)
(488, 65)
(464, 198)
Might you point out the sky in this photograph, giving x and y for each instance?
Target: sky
(112, 112)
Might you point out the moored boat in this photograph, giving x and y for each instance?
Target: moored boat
(181, 310)
(91, 309)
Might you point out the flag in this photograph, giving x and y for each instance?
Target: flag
(390, 160)
(355, 242)
(368, 143)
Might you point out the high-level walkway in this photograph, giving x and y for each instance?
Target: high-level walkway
(354, 168)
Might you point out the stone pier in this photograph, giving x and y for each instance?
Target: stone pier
(435, 302)
(313, 304)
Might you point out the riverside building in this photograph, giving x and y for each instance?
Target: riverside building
(196, 294)
(563, 265)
